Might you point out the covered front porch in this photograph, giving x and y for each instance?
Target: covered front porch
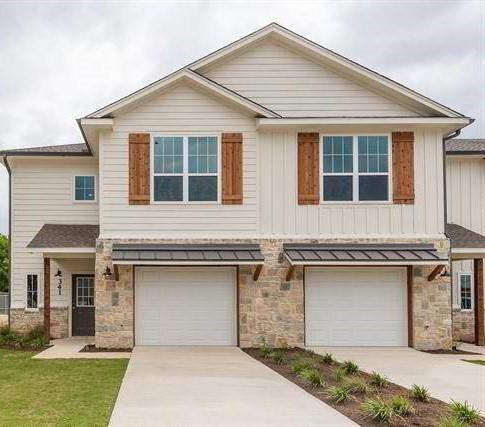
(67, 306)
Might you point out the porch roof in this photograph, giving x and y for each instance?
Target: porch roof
(190, 254)
(465, 243)
(363, 254)
(65, 237)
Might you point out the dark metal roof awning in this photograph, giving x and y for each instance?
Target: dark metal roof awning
(156, 254)
(363, 254)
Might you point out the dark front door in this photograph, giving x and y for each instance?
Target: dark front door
(83, 304)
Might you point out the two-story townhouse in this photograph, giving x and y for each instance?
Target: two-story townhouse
(271, 191)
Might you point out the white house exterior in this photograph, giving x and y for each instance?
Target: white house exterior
(272, 191)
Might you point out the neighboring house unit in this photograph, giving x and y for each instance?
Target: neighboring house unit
(271, 191)
(466, 213)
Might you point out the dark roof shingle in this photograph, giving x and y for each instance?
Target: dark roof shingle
(50, 150)
(462, 237)
(465, 146)
(65, 236)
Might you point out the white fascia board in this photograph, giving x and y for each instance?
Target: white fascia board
(102, 123)
(194, 78)
(467, 253)
(187, 263)
(441, 122)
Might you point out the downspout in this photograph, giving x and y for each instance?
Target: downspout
(446, 138)
(9, 171)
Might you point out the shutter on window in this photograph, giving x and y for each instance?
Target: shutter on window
(139, 168)
(308, 169)
(232, 164)
(403, 167)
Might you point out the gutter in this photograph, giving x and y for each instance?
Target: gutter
(9, 171)
(78, 121)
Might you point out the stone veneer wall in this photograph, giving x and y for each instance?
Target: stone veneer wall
(23, 321)
(270, 309)
(431, 310)
(464, 326)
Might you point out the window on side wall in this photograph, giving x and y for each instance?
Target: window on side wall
(84, 188)
(185, 169)
(466, 298)
(32, 290)
(355, 168)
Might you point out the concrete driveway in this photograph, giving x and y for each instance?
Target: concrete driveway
(213, 386)
(446, 376)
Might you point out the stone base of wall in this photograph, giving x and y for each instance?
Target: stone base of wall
(464, 326)
(22, 321)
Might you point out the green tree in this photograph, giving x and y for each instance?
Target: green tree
(3, 263)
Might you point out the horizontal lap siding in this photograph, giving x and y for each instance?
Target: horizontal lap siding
(292, 85)
(181, 110)
(43, 193)
(281, 214)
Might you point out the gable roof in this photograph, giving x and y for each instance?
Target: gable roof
(50, 150)
(316, 51)
(465, 146)
(462, 237)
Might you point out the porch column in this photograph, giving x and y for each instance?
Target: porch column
(47, 299)
(479, 302)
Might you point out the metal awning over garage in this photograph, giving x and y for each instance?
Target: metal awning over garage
(179, 254)
(363, 254)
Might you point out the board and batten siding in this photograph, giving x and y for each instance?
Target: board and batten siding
(182, 110)
(294, 86)
(281, 214)
(42, 193)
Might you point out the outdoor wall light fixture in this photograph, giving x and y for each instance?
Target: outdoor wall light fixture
(59, 280)
(107, 272)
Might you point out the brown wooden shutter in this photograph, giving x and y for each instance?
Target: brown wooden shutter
(403, 167)
(308, 169)
(139, 168)
(232, 168)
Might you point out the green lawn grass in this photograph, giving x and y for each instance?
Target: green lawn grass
(477, 362)
(67, 392)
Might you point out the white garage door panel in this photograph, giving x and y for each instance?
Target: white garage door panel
(355, 307)
(185, 306)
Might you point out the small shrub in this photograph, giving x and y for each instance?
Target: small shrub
(452, 422)
(265, 350)
(35, 337)
(378, 410)
(339, 375)
(276, 356)
(339, 394)
(349, 367)
(300, 365)
(401, 405)
(357, 386)
(464, 412)
(420, 393)
(378, 380)
(328, 358)
(313, 376)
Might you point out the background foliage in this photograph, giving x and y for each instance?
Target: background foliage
(3, 263)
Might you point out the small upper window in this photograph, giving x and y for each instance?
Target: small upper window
(32, 290)
(466, 291)
(84, 188)
(355, 168)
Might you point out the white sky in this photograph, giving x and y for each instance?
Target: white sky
(62, 60)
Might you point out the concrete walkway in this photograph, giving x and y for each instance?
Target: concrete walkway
(69, 348)
(446, 376)
(213, 386)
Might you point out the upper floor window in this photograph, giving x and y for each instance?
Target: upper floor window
(32, 290)
(84, 188)
(355, 168)
(465, 282)
(185, 169)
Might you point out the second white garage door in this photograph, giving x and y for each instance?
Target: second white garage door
(355, 307)
(185, 306)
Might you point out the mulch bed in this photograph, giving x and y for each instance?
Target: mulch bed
(93, 349)
(24, 347)
(457, 352)
(426, 414)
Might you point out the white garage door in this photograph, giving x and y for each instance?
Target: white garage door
(185, 306)
(355, 307)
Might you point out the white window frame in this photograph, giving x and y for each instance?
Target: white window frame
(355, 170)
(185, 174)
(77, 295)
(466, 310)
(74, 189)
(27, 292)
